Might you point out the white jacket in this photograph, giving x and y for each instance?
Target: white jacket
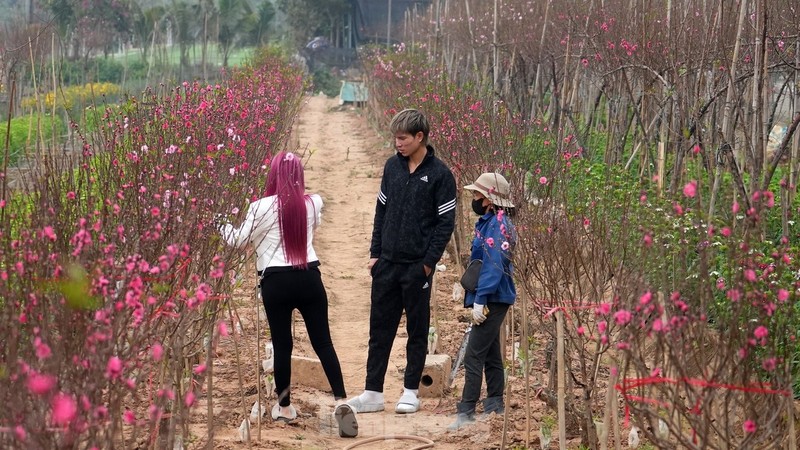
(261, 228)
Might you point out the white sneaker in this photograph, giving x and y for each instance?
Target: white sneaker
(408, 403)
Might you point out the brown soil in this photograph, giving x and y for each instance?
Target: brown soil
(344, 159)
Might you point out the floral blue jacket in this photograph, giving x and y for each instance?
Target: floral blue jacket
(493, 243)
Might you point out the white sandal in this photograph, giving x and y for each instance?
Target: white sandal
(346, 419)
(408, 403)
(276, 414)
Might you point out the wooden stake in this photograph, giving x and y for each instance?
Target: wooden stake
(790, 417)
(662, 162)
(257, 294)
(562, 382)
(611, 400)
(508, 389)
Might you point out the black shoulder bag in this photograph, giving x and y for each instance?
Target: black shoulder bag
(469, 281)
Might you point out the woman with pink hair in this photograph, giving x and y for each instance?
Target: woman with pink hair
(281, 228)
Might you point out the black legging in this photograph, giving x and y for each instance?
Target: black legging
(282, 292)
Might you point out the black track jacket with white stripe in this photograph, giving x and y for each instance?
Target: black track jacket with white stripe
(415, 213)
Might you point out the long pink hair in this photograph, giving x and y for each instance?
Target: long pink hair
(286, 180)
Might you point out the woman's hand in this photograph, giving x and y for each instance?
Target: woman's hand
(478, 313)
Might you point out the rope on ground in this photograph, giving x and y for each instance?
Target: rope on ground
(427, 443)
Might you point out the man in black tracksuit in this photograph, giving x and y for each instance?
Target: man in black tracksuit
(414, 218)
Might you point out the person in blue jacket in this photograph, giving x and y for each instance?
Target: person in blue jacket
(493, 243)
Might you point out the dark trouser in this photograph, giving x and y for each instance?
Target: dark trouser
(397, 287)
(483, 355)
(303, 290)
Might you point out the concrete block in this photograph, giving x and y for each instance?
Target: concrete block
(434, 376)
(308, 372)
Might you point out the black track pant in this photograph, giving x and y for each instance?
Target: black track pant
(484, 356)
(303, 290)
(397, 287)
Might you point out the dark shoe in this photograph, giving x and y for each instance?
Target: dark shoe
(462, 420)
(485, 415)
(346, 419)
(493, 405)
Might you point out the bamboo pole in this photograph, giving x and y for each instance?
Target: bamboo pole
(537, 86)
(791, 419)
(662, 162)
(562, 381)
(525, 367)
(615, 412)
(757, 101)
(611, 400)
(53, 134)
(728, 116)
(495, 57)
(508, 388)
(472, 45)
(257, 295)
(210, 379)
(235, 333)
(389, 25)
(796, 142)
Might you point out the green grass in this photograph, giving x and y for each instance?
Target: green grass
(171, 55)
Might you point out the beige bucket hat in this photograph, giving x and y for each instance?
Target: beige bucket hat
(494, 187)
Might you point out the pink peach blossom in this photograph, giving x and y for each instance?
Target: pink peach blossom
(49, 233)
(622, 317)
(114, 368)
(157, 351)
(189, 399)
(690, 189)
(42, 349)
(40, 384)
(63, 409)
(20, 433)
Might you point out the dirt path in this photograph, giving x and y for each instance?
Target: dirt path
(344, 160)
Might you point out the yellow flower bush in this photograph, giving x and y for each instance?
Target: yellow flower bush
(72, 96)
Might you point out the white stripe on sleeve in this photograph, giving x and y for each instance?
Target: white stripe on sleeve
(447, 207)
